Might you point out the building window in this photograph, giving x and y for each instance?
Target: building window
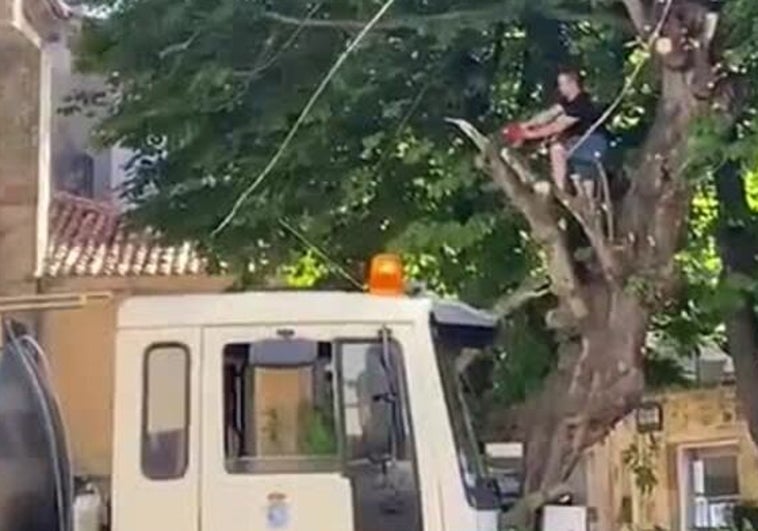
(713, 487)
(165, 410)
(279, 418)
(79, 176)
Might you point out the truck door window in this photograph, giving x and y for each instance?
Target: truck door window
(372, 403)
(379, 455)
(279, 419)
(165, 412)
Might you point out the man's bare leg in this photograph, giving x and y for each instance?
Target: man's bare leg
(558, 164)
(585, 190)
(588, 188)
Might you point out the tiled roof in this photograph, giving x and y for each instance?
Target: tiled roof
(89, 238)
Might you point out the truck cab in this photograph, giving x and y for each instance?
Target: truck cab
(304, 411)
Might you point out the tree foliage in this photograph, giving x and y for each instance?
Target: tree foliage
(208, 89)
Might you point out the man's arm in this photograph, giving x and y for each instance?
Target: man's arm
(555, 127)
(544, 117)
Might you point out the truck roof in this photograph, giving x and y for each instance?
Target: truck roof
(284, 307)
(268, 307)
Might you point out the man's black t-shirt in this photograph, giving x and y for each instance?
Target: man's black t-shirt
(583, 109)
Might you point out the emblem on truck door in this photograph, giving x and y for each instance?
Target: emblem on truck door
(278, 511)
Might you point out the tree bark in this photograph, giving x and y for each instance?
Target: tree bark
(738, 245)
(599, 379)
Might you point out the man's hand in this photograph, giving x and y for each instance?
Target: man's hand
(513, 134)
(556, 127)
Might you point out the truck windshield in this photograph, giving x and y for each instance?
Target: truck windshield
(469, 458)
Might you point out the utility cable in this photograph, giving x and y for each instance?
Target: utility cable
(321, 253)
(300, 119)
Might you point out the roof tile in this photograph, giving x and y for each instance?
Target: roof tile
(90, 239)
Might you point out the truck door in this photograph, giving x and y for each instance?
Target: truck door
(282, 440)
(156, 430)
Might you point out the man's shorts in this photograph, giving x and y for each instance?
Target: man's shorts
(591, 150)
(583, 161)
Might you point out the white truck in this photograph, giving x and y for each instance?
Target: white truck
(298, 411)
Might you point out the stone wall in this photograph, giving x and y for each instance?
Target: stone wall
(698, 418)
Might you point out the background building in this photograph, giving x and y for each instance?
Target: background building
(61, 222)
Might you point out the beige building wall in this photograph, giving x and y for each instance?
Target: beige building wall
(19, 154)
(691, 419)
(80, 344)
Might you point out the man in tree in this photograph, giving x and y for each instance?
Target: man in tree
(576, 138)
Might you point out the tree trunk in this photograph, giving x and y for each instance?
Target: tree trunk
(738, 244)
(597, 382)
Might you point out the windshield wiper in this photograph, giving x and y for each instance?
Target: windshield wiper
(391, 396)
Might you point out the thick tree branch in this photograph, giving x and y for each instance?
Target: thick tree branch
(459, 18)
(498, 12)
(532, 288)
(179, 46)
(266, 59)
(513, 177)
(653, 214)
(738, 245)
(639, 16)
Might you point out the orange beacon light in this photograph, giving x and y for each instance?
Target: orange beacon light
(386, 275)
